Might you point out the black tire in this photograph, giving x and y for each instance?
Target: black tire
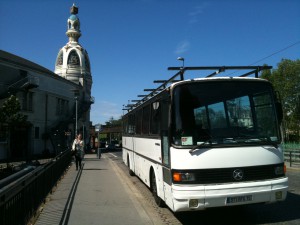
(131, 173)
(159, 202)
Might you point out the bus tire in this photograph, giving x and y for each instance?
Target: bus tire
(159, 202)
(131, 173)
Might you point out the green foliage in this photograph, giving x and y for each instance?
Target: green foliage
(9, 112)
(113, 123)
(286, 81)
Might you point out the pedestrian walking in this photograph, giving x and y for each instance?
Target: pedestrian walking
(78, 149)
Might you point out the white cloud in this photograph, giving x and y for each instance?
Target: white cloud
(182, 47)
(198, 10)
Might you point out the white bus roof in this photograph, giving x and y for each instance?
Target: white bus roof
(172, 82)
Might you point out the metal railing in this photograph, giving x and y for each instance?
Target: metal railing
(20, 199)
(293, 157)
(292, 153)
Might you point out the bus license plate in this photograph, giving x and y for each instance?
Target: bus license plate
(237, 199)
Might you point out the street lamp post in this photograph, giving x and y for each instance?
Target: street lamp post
(182, 68)
(76, 115)
(181, 59)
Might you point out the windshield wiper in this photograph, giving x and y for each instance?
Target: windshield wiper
(208, 141)
(263, 140)
(269, 141)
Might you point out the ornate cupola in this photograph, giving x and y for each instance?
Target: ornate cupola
(72, 61)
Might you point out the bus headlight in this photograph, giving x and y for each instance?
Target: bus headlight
(183, 177)
(280, 170)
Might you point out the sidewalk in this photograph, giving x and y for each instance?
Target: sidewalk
(293, 167)
(94, 195)
(98, 194)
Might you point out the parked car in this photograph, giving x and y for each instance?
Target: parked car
(118, 144)
(113, 145)
(110, 146)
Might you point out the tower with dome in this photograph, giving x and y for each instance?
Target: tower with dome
(73, 64)
(72, 61)
(56, 104)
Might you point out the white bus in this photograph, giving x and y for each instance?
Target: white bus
(207, 142)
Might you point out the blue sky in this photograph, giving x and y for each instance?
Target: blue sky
(133, 42)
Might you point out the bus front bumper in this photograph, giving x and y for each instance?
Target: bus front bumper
(196, 197)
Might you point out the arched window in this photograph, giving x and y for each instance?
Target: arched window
(76, 25)
(73, 60)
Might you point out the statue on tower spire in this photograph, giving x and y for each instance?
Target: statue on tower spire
(73, 25)
(74, 9)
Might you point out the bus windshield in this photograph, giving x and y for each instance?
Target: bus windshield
(224, 112)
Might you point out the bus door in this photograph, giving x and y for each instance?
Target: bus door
(165, 148)
(167, 177)
(130, 141)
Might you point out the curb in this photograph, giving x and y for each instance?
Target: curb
(292, 168)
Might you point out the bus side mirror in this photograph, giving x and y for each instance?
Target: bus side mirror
(279, 111)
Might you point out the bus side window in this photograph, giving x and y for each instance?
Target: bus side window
(131, 124)
(155, 118)
(138, 118)
(125, 125)
(146, 120)
(164, 119)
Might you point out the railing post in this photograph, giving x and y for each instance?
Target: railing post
(290, 158)
(20, 201)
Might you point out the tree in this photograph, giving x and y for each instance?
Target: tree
(10, 118)
(113, 123)
(9, 112)
(286, 81)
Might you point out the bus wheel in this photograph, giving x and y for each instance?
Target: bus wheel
(159, 202)
(131, 173)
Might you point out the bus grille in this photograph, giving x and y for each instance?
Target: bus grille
(225, 175)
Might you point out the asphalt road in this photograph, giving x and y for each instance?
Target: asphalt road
(283, 213)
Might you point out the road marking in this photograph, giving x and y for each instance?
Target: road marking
(113, 155)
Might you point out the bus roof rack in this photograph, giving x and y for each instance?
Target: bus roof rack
(217, 69)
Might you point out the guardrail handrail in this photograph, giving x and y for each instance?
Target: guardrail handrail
(292, 156)
(23, 196)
